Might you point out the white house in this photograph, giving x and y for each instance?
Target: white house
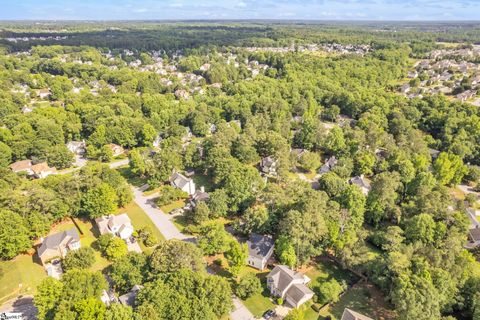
(260, 249)
(289, 285)
(119, 225)
(179, 181)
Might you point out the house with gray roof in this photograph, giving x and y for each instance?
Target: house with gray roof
(58, 245)
(269, 165)
(352, 315)
(179, 181)
(260, 249)
(289, 285)
(362, 183)
(329, 165)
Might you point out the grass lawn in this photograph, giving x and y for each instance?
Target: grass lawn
(174, 205)
(325, 270)
(261, 302)
(21, 275)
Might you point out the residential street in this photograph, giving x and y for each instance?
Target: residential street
(160, 219)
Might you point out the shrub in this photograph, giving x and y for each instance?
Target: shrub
(112, 247)
(280, 301)
(146, 235)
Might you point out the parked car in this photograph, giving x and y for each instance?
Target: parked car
(268, 314)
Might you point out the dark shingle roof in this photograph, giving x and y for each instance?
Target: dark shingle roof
(259, 245)
(53, 241)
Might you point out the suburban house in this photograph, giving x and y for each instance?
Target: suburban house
(269, 165)
(22, 166)
(289, 285)
(260, 249)
(43, 93)
(128, 299)
(57, 245)
(329, 165)
(77, 147)
(119, 225)
(116, 149)
(434, 153)
(362, 183)
(42, 170)
(352, 315)
(179, 181)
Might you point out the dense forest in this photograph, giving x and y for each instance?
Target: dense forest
(327, 105)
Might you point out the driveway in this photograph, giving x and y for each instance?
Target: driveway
(159, 218)
(240, 312)
(23, 305)
(117, 164)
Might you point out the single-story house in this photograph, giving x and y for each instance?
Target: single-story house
(352, 315)
(128, 299)
(362, 183)
(77, 147)
(116, 149)
(119, 225)
(22, 166)
(269, 165)
(58, 245)
(329, 165)
(260, 249)
(179, 181)
(289, 285)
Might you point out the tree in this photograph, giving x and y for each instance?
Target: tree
(218, 203)
(173, 255)
(382, 198)
(112, 247)
(213, 238)
(137, 162)
(104, 154)
(117, 311)
(200, 213)
(310, 161)
(99, 201)
(59, 156)
(364, 162)
(146, 235)
(329, 291)
(128, 271)
(14, 237)
(296, 314)
(5, 155)
(421, 228)
(236, 255)
(169, 194)
(449, 169)
(82, 258)
(285, 252)
(248, 286)
(89, 309)
(48, 294)
(254, 220)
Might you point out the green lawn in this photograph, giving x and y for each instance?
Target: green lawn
(259, 303)
(131, 178)
(20, 276)
(325, 270)
(171, 206)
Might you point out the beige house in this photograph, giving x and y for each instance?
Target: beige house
(116, 149)
(22, 166)
(58, 245)
(119, 225)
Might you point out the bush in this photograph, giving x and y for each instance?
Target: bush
(329, 291)
(316, 307)
(146, 235)
(280, 301)
(82, 258)
(170, 194)
(248, 285)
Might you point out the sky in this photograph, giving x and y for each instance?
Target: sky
(403, 10)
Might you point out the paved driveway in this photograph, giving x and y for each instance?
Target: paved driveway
(240, 312)
(160, 219)
(23, 305)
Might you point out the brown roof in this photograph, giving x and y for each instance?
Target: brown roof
(21, 165)
(40, 167)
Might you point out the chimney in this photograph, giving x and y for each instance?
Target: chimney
(202, 189)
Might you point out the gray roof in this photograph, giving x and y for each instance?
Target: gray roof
(298, 291)
(200, 195)
(472, 216)
(179, 180)
(282, 276)
(53, 241)
(360, 181)
(352, 315)
(128, 299)
(259, 245)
